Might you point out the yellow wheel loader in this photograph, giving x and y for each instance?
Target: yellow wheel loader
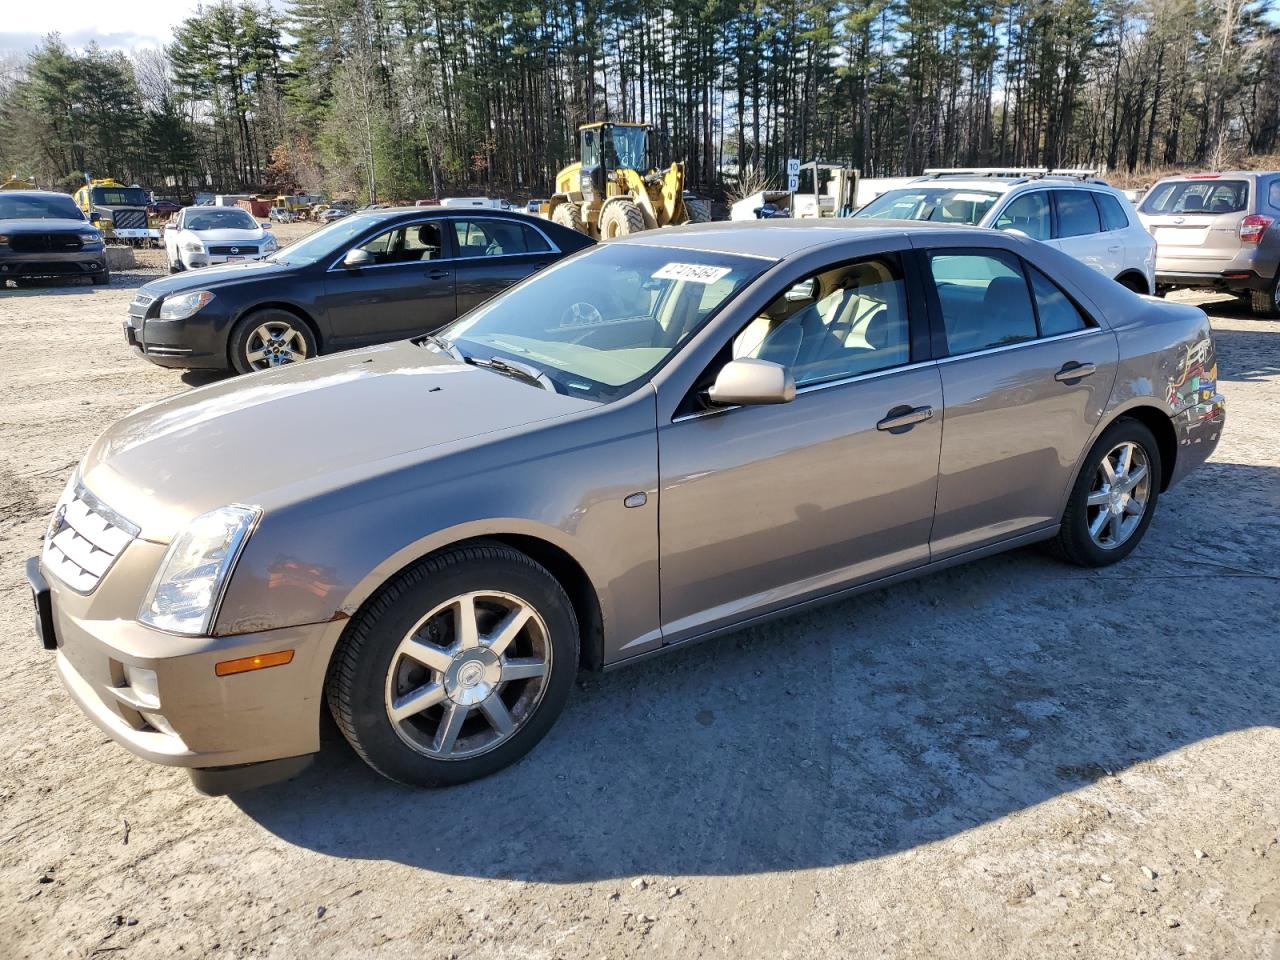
(617, 187)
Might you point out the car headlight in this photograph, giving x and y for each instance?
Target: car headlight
(184, 305)
(269, 244)
(187, 589)
(90, 236)
(193, 246)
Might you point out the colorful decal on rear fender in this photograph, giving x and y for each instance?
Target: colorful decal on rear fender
(1194, 387)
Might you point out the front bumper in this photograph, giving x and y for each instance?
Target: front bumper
(75, 263)
(194, 261)
(189, 716)
(195, 343)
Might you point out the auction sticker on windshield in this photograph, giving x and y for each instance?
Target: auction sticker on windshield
(693, 272)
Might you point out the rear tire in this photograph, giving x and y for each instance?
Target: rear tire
(569, 215)
(463, 711)
(1097, 528)
(1266, 303)
(697, 210)
(621, 219)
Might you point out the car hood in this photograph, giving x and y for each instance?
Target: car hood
(45, 225)
(273, 438)
(210, 278)
(227, 235)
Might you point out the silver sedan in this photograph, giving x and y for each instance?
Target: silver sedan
(646, 444)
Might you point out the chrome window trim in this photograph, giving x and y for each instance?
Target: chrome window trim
(337, 267)
(1021, 343)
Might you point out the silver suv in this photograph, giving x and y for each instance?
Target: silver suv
(1218, 230)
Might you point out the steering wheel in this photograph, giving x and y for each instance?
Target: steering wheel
(581, 313)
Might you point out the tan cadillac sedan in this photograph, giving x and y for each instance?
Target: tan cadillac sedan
(649, 443)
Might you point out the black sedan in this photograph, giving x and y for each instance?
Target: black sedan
(374, 276)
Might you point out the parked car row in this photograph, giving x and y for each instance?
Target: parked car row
(649, 442)
(372, 276)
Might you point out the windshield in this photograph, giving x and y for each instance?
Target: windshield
(220, 220)
(38, 208)
(629, 147)
(936, 203)
(1197, 196)
(119, 196)
(601, 323)
(325, 242)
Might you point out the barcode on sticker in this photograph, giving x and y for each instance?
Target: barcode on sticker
(693, 272)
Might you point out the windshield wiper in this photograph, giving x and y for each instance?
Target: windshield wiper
(445, 345)
(523, 371)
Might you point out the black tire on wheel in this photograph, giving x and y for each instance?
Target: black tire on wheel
(621, 218)
(1266, 303)
(238, 342)
(569, 215)
(101, 279)
(1073, 542)
(356, 685)
(697, 210)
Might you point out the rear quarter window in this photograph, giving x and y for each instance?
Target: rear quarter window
(1113, 215)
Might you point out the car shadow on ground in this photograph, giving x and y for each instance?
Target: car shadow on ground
(1246, 355)
(859, 729)
(54, 286)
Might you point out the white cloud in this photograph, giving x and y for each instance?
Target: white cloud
(117, 26)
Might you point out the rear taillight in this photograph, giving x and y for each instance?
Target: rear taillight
(1253, 227)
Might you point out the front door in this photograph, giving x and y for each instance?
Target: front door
(1025, 381)
(763, 506)
(494, 253)
(403, 293)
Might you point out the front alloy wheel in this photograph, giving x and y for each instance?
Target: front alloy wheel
(457, 667)
(468, 675)
(270, 338)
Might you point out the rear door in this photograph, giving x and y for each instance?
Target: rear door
(1079, 232)
(1025, 375)
(1196, 221)
(406, 291)
(492, 254)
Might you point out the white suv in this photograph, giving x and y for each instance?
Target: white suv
(1085, 218)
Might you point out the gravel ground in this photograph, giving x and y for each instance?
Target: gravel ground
(1010, 759)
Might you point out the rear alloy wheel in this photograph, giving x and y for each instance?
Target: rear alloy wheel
(457, 668)
(270, 338)
(1266, 303)
(1113, 499)
(620, 219)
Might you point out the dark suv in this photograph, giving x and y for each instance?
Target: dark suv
(44, 234)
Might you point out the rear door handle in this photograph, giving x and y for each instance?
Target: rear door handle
(904, 418)
(1073, 371)
(1113, 249)
(540, 266)
(437, 274)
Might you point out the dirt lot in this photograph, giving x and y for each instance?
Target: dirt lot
(1011, 759)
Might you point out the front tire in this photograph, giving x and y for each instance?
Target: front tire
(1113, 499)
(270, 338)
(101, 279)
(621, 219)
(457, 668)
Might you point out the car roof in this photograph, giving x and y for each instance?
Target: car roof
(35, 193)
(205, 207)
(777, 239)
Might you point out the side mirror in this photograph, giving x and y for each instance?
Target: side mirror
(804, 290)
(266, 224)
(1015, 231)
(357, 258)
(748, 381)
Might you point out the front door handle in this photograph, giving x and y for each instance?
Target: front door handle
(903, 418)
(540, 266)
(437, 274)
(1072, 371)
